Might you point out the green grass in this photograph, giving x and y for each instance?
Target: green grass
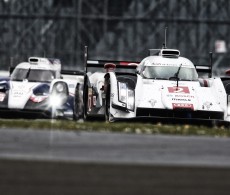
(136, 128)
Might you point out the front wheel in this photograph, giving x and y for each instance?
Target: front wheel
(108, 116)
(85, 100)
(78, 103)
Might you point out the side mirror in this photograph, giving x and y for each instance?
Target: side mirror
(110, 67)
(144, 74)
(227, 72)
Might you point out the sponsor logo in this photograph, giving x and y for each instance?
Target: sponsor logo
(181, 99)
(174, 65)
(18, 93)
(184, 96)
(68, 112)
(182, 106)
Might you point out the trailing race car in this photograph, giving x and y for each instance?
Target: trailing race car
(163, 86)
(39, 88)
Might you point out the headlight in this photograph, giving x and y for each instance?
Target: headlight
(59, 94)
(60, 87)
(122, 92)
(126, 95)
(131, 99)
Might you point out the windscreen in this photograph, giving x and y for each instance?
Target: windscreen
(167, 72)
(33, 75)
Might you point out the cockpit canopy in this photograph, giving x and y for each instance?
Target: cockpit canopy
(167, 72)
(33, 75)
(37, 70)
(157, 67)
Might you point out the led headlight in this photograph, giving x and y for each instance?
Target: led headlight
(130, 99)
(126, 95)
(59, 94)
(60, 87)
(122, 92)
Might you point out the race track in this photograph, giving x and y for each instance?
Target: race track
(57, 162)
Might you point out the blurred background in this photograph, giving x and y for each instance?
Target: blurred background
(113, 29)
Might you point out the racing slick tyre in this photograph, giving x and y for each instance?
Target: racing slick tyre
(78, 103)
(85, 100)
(108, 116)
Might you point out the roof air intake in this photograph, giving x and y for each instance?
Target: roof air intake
(169, 53)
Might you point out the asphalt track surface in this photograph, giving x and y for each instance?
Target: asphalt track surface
(57, 162)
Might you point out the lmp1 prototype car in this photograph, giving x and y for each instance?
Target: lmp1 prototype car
(163, 86)
(39, 88)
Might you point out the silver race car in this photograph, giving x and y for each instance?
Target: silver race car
(39, 88)
(163, 86)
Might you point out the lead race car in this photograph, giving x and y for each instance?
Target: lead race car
(40, 89)
(163, 86)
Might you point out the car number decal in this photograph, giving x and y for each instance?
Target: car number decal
(178, 89)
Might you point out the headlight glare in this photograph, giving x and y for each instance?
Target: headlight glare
(56, 101)
(59, 94)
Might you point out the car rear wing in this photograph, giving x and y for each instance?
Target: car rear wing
(107, 63)
(72, 72)
(119, 64)
(205, 69)
(72, 75)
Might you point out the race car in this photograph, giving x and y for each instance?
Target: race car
(163, 86)
(40, 89)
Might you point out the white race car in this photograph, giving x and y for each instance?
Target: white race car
(39, 88)
(163, 86)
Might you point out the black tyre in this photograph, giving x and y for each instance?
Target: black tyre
(78, 103)
(85, 99)
(108, 116)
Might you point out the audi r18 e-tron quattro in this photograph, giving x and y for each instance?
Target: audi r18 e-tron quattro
(163, 86)
(39, 88)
